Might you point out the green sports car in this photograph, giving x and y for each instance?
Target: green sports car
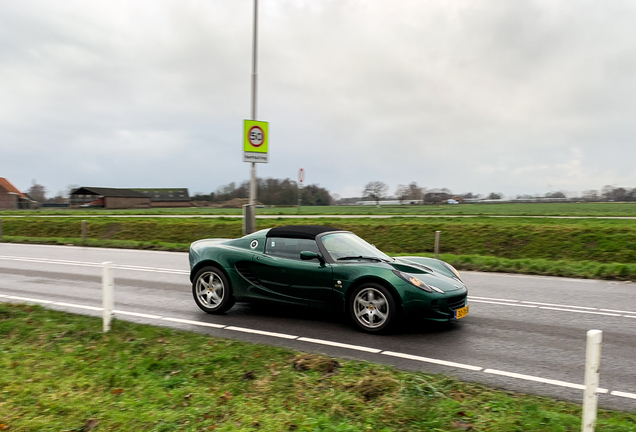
(318, 266)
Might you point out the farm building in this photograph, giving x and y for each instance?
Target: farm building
(12, 198)
(109, 198)
(167, 197)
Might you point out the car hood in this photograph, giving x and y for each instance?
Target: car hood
(430, 271)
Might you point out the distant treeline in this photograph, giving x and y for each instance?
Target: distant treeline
(269, 191)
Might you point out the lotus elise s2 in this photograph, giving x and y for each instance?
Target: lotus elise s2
(319, 266)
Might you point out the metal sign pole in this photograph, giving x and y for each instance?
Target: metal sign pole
(300, 190)
(250, 225)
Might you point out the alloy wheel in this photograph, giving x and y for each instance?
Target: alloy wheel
(210, 289)
(371, 308)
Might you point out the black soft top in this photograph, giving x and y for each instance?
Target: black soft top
(300, 231)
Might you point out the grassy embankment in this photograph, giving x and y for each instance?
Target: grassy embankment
(512, 209)
(60, 373)
(604, 249)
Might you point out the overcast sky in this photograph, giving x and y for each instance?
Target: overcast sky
(477, 96)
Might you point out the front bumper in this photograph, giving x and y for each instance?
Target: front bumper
(441, 308)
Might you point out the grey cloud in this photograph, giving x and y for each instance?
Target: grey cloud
(496, 95)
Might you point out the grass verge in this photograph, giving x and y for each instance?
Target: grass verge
(556, 240)
(60, 373)
(532, 266)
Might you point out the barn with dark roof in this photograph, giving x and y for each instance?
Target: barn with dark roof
(162, 197)
(109, 198)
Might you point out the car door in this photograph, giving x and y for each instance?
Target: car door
(281, 271)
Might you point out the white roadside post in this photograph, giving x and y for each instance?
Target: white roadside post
(592, 369)
(437, 234)
(301, 179)
(108, 295)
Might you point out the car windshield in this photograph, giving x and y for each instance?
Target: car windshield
(348, 246)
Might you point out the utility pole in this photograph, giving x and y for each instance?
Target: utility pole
(252, 213)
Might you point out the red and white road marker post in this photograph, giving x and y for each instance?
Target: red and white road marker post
(108, 294)
(301, 179)
(592, 372)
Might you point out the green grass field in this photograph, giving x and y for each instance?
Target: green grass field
(60, 373)
(512, 209)
(584, 248)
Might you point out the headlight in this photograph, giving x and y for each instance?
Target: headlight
(416, 282)
(454, 270)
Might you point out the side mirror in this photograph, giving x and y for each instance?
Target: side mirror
(307, 255)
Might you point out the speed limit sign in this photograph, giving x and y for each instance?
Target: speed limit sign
(256, 136)
(255, 140)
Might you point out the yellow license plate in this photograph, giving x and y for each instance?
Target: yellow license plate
(461, 313)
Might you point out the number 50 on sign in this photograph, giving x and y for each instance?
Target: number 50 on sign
(255, 141)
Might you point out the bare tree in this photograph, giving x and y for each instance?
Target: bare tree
(37, 192)
(415, 192)
(375, 190)
(402, 193)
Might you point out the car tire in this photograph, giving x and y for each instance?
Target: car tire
(372, 308)
(217, 300)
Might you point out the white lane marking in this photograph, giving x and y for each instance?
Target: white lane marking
(495, 299)
(629, 316)
(261, 332)
(623, 394)
(618, 311)
(580, 311)
(71, 305)
(559, 305)
(137, 314)
(340, 345)
(551, 306)
(93, 264)
(29, 299)
(541, 380)
(472, 300)
(197, 323)
(434, 361)
(48, 261)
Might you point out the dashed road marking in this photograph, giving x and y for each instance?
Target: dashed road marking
(433, 361)
(340, 345)
(541, 380)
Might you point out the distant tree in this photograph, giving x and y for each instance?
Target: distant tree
(375, 190)
(402, 193)
(494, 196)
(415, 192)
(436, 196)
(58, 199)
(37, 192)
(200, 196)
(315, 195)
(590, 195)
(271, 191)
(557, 194)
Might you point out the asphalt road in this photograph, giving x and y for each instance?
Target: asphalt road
(523, 333)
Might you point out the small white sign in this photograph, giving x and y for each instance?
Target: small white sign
(255, 157)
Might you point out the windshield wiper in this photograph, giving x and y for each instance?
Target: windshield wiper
(361, 257)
